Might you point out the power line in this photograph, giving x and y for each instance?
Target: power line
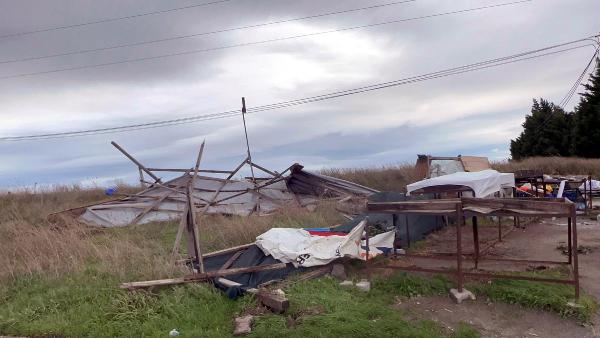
(577, 83)
(49, 29)
(563, 103)
(179, 37)
(550, 50)
(256, 42)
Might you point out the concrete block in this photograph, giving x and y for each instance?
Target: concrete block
(458, 297)
(243, 325)
(364, 285)
(347, 283)
(338, 271)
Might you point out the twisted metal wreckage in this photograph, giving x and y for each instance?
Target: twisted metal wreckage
(163, 201)
(190, 196)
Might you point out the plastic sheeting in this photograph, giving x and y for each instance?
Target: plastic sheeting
(482, 183)
(300, 248)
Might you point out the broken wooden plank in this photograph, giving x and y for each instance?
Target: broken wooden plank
(141, 166)
(186, 170)
(199, 277)
(274, 174)
(192, 224)
(150, 208)
(231, 260)
(235, 271)
(182, 224)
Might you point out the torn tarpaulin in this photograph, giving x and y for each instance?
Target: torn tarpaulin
(303, 248)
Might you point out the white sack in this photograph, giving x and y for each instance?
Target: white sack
(300, 248)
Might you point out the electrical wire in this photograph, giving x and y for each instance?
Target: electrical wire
(257, 42)
(285, 104)
(49, 29)
(179, 37)
(570, 93)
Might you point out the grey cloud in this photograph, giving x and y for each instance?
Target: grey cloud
(346, 131)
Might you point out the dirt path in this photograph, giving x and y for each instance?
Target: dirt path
(493, 320)
(538, 240)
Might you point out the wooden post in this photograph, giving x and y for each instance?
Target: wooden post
(192, 224)
(142, 184)
(500, 228)
(569, 240)
(193, 231)
(475, 240)
(395, 225)
(459, 223)
(407, 231)
(575, 251)
(141, 166)
(367, 237)
(590, 196)
(208, 204)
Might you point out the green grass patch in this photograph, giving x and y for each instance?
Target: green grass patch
(90, 304)
(541, 296)
(322, 308)
(465, 330)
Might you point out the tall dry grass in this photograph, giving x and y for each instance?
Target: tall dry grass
(30, 244)
(384, 178)
(553, 165)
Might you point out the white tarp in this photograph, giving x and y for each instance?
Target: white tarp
(595, 185)
(299, 247)
(483, 183)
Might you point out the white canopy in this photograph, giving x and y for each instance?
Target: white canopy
(482, 183)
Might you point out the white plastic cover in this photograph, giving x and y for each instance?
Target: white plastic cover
(595, 185)
(483, 183)
(300, 248)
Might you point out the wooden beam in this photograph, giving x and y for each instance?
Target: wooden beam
(274, 174)
(235, 271)
(141, 166)
(182, 224)
(208, 204)
(150, 208)
(235, 248)
(199, 277)
(192, 224)
(232, 260)
(186, 170)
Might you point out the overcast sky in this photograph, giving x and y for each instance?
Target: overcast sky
(472, 114)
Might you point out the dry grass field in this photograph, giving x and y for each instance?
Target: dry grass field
(59, 277)
(31, 244)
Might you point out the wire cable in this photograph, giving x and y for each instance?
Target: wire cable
(179, 37)
(49, 29)
(162, 56)
(569, 94)
(429, 76)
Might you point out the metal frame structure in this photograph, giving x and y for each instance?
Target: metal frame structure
(463, 207)
(536, 177)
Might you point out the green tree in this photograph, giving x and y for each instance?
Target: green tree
(546, 132)
(586, 131)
